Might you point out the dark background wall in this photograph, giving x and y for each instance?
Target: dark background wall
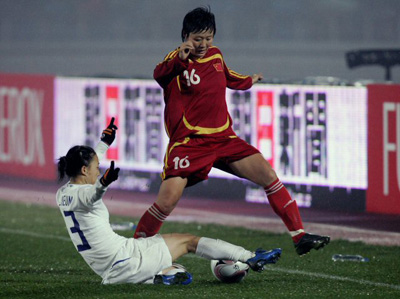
(287, 40)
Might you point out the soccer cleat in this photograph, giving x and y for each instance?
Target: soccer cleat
(179, 278)
(178, 267)
(310, 241)
(264, 257)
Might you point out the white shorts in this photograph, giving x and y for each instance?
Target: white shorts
(139, 260)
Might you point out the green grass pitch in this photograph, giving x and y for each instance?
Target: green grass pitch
(37, 260)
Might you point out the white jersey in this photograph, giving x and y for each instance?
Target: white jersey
(87, 221)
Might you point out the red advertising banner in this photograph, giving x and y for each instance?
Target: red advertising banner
(112, 110)
(383, 194)
(26, 126)
(265, 125)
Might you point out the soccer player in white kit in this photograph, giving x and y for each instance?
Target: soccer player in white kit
(118, 259)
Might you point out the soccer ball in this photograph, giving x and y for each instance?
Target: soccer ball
(229, 271)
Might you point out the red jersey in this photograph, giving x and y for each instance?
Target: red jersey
(194, 94)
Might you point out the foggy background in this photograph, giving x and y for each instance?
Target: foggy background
(286, 40)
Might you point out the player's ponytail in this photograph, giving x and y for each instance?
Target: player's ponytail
(62, 165)
(71, 164)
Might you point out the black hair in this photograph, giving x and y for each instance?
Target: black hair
(198, 20)
(72, 163)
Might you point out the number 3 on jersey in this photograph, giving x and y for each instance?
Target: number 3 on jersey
(76, 229)
(181, 163)
(192, 78)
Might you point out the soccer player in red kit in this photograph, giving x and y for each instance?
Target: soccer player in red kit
(194, 78)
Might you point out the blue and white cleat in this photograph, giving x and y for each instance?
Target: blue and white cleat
(177, 276)
(180, 278)
(264, 257)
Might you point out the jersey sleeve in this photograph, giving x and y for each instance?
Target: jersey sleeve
(235, 80)
(168, 69)
(89, 194)
(100, 149)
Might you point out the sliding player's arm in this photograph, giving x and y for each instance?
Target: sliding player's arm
(106, 139)
(89, 194)
(93, 193)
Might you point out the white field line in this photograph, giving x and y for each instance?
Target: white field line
(180, 214)
(32, 234)
(274, 268)
(335, 277)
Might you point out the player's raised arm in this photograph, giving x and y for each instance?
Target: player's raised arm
(173, 65)
(108, 135)
(106, 139)
(92, 193)
(110, 175)
(185, 49)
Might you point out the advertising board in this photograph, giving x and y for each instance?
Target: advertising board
(26, 126)
(315, 137)
(383, 195)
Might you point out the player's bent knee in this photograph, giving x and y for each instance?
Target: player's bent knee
(192, 244)
(167, 205)
(271, 176)
(168, 202)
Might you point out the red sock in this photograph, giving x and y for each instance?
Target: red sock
(286, 208)
(150, 223)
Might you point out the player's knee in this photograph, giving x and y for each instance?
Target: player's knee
(270, 176)
(168, 202)
(167, 206)
(265, 176)
(192, 243)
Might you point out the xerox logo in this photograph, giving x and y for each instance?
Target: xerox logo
(21, 139)
(26, 126)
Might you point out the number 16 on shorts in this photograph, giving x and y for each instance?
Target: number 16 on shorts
(181, 163)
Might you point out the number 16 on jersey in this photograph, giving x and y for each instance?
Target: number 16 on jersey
(181, 163)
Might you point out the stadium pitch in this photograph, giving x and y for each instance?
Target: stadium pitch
(37, 260)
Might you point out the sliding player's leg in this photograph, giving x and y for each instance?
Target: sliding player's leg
(215, 249)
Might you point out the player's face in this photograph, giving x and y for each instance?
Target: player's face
(93, 170)
(201, 42)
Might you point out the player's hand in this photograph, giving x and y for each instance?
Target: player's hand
(257, 77)
(110, 175)
(108, 134)
(184, 50)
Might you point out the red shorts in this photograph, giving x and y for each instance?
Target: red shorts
(194, 157)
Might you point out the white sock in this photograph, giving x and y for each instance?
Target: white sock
(215, 249)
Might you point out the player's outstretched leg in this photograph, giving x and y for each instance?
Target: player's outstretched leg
(263, 257)
(177, 276)
(310, 241)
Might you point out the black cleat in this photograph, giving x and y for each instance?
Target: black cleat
(310, 241)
